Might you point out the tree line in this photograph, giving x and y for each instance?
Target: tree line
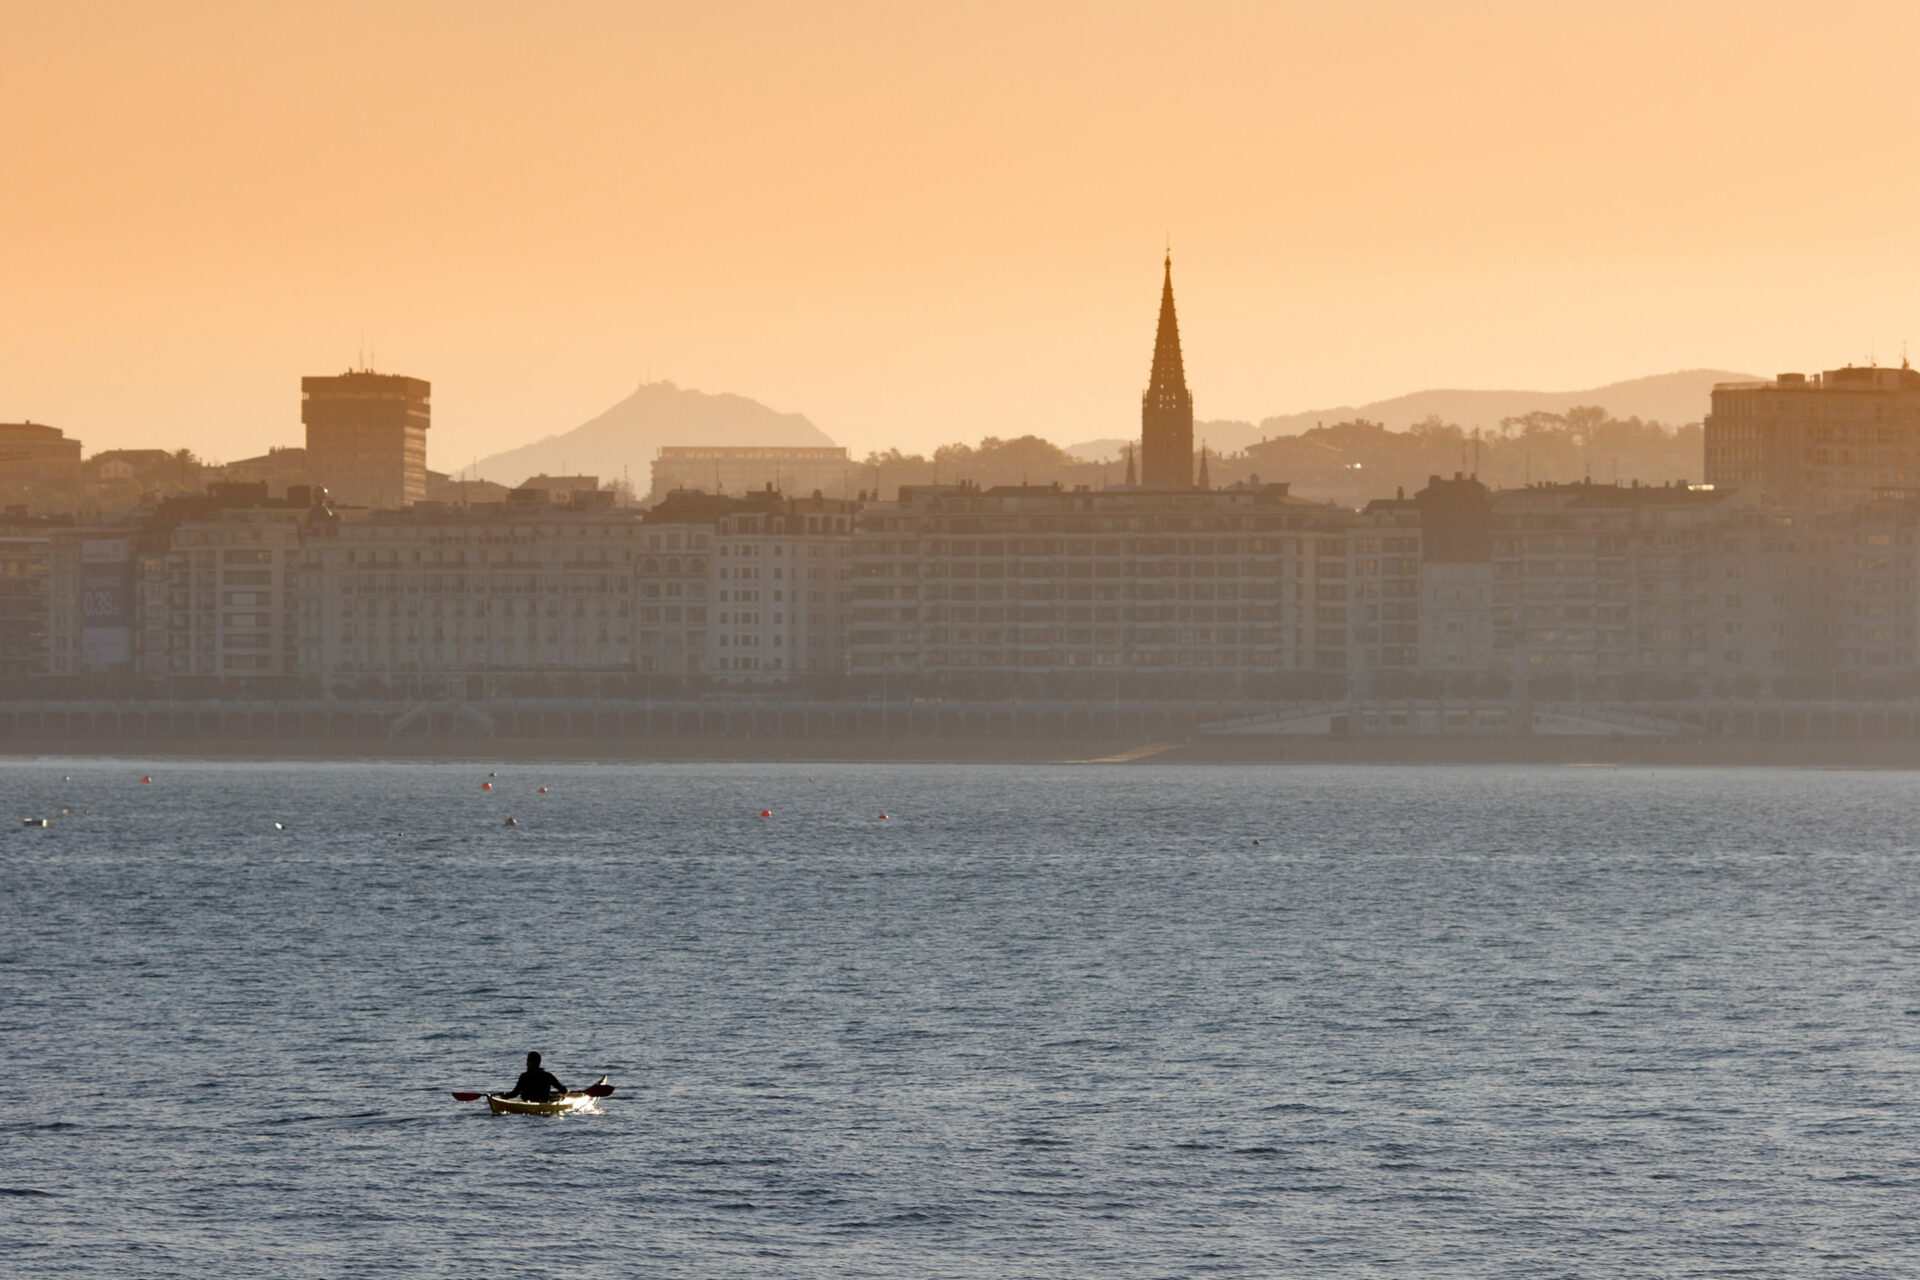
(1349, 463)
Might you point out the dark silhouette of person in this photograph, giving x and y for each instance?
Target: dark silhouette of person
(536, 1084)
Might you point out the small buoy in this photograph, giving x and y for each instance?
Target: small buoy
(64, 812)
(543, 791)
(511, 823)
(766, 813)
(278, 827)
(486, 786)
(146, 779)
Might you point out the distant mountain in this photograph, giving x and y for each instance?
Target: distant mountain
(1673, 398)
(626, 437)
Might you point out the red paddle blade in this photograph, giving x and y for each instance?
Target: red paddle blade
(467, 1097)
(598, 1091)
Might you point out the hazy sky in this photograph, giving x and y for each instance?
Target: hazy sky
(920, 223)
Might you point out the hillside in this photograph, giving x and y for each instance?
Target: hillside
(1673, 398)
(625, 438)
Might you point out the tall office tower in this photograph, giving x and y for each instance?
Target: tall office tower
(1166, 410)
(1825, 442)
(367, 437)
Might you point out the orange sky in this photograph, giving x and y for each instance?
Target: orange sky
(919, 224)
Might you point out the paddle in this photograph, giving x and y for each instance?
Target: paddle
(598, 1090)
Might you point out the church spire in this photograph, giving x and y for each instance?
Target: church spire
(1169, 374)
(1166, 410)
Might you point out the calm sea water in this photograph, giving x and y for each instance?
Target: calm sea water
(1041, 1021)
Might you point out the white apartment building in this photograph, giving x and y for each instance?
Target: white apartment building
(231, 586)
(516, 587)
(739, 589)
(783, 581)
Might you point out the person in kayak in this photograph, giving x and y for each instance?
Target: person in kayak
(536, 1084)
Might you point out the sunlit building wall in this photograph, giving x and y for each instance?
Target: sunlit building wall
(367, 437)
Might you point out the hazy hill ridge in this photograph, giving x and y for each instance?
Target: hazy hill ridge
(625, 438)
(1672, 398)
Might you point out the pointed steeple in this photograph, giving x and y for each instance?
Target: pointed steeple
(1130, 479)
(1166, 410)
(1203, 483)
(1169, 374)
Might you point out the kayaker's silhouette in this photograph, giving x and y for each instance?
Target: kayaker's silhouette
(536, 1084)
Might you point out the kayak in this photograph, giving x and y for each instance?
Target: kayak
(575, 1100)
(559, 1106)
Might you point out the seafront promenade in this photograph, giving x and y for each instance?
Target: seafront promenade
(774, 727)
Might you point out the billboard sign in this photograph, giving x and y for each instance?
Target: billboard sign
(106, 603)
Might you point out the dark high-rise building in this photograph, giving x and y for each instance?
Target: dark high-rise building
(1166, 410)
(367, 437)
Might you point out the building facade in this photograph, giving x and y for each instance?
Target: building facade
(1087, 591)
(1821, 443)
(231, 594)
(367, 437)
(701, 587)
(1456, 576)
(25, 603)
(783, 571)
(32, 453)
(527, 588)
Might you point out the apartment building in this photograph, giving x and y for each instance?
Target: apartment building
(676, 585)
(1456, 576)
(991, 589)
(1386, 579)
(1602, 581)
(1822, 443)
(25, 600)
(782, 588)
(700, 587)
(516, 587)
(32, 453)
(1879, 603)
(91, 601)
(231, 592)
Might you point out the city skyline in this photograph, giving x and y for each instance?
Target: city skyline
(916, 229)
(689, 545)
